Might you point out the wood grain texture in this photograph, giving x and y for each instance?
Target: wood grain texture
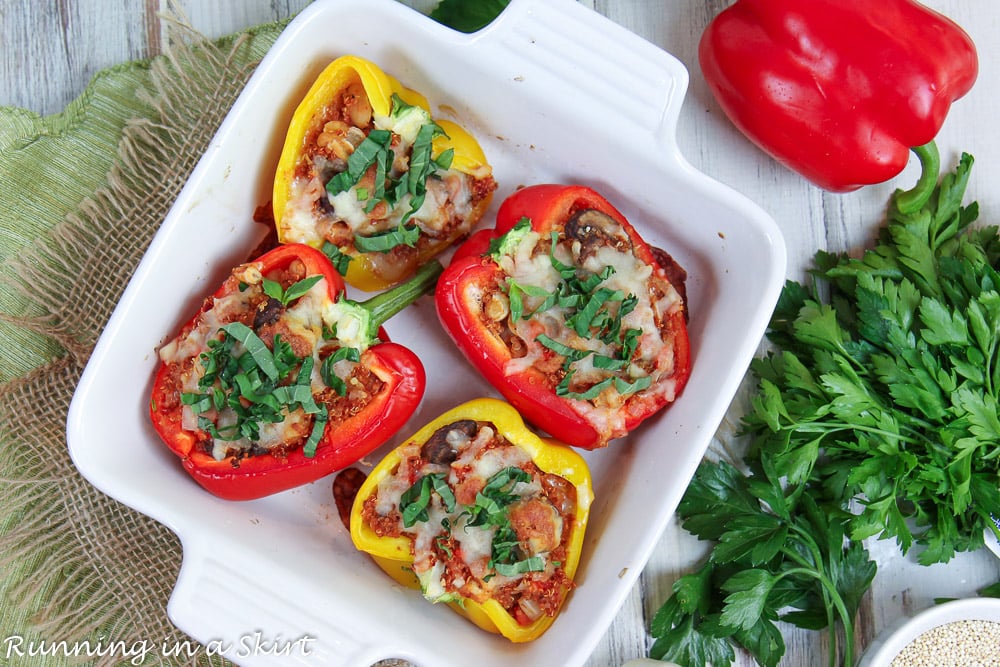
(50, 50)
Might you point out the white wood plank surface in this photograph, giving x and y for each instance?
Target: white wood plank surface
(50, 49)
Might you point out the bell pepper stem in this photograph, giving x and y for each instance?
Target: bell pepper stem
(382, 307)
(912, 200)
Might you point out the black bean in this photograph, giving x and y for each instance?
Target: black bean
(267, 313)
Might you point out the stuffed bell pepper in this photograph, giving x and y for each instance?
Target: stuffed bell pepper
(278, 380)
(478, 512)
(569, 314)
(368, 176)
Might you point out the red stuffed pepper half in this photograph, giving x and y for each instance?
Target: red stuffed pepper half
(279, 380)
(569, 314)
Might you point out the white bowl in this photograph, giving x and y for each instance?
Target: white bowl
(556, 93)
(895, 638)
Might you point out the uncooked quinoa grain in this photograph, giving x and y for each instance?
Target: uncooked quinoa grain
(957, 644)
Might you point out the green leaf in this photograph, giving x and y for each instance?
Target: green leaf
(943, 326)
(817, 326)
(797, 462)
(414, 502)
(692, 593)
(753, 539)
(407, 235)
(981, 411)
(764, 642)
(299, 289)
(717, 494)
(532, 564)
(364, 156)
(340, 260)
(747, 599)
(852, 575)
(467, 15)
(255, 347)
(687, 643)
(422, 166)
(316, 434)
(329, 375)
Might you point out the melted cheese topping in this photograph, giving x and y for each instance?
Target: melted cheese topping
(528, 264)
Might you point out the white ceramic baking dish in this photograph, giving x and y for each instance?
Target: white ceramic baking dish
(555, 93)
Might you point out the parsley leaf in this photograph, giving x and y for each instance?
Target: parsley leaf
(875, 416)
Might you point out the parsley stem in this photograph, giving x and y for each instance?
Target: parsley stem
(838, 602)
(828, 428)
(816, 566)
(383, 306)
(910, 201)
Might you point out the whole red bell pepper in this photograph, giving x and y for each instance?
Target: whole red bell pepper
(837, 90)
(567, 311)
(279, 380)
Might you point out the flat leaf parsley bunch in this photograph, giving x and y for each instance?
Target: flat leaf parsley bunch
(876, 414)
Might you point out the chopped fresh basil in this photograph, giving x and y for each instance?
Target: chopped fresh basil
(386, 241)
(625, 387)
(495, 496)
(256, 386)
(422, 166)
(442, 543)
(376, 151)
(594, 313)
(319, 427)
(337, 257)
(301, 394)
(326, 369)
(571, 353)
(415, 500)
(364, 156)
(514, 292)
(590, 394)
(608, 363)
(532, 564)
(254, 346)
(197, 402)
(490, 509)
(591, 311)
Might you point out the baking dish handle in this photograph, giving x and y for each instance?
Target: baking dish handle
(601, 63)
(226, 618)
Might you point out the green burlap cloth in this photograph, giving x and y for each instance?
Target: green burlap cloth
(81, 195)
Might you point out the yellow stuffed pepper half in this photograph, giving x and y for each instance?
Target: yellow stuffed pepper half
(367, 175)
(478, 512)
